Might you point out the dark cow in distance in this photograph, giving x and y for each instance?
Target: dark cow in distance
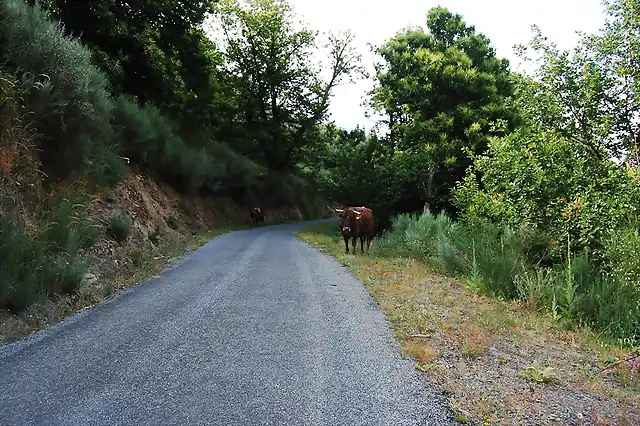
(257, 215)
(356, 222)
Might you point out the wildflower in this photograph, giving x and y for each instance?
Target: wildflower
(552, 243)
(458, 251)
(563, 199)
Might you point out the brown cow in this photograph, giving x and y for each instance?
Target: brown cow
(257, 215)
(356, 222)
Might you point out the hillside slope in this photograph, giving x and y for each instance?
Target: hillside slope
(164, 224)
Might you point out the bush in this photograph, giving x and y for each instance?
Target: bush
(120, 226)
(64, 274)
(29, 271)
(68, 227)
(21, 263)
(149, 139)
(557, 187)
(66, 94)
(172, 222)
(497, 260)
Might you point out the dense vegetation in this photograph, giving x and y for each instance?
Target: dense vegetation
(222, 98)
(91, 89)
(538, 170)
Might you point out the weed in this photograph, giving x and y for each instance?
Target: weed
(154, 236)
(68, 227)
(424, 367)
(120, 226)
(539, 374)
(172, 222)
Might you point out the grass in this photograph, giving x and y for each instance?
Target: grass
(474, 347)
(120, 226)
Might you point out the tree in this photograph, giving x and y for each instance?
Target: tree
(442, 93)
(280, 92)
(152, 49)
(590, 94)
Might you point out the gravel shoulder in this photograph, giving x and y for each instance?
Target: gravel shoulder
(255, 327)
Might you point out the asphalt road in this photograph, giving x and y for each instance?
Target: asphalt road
(255, 328)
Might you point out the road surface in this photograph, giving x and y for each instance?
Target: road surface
(254, 328)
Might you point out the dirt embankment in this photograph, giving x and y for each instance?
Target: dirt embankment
(165, 224)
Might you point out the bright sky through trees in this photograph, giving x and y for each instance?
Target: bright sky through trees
(505, 22)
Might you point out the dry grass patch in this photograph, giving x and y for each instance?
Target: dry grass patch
(484, 352)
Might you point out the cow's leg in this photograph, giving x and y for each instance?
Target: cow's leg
(368, 242)
(354, 243)
(346, 244)
(362, 244)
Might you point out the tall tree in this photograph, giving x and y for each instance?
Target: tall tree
(590, 94)
(442, 92)
(280, 90)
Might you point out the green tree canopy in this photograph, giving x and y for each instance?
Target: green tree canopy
(442, 92)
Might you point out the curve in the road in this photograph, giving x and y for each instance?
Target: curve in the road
(254, 328)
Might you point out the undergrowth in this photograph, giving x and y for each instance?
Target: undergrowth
(45, 261)
(501, 262)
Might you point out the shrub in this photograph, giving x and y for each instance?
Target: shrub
(104, 166)
(172, 222)
(66, 93)
(154, 236)
(149, 139)
(68, 227)
(64, 274)
(496, 259)
(555, 186)
(28, 270)
(21, 262)
(120, 226)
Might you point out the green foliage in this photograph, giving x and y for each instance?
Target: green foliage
(40, 264)
(589, 94)
(442, 93)
(281, 95)
(497, 260)
(172, 222)
(66, 95)
(539, 374)
(21, 257)
(578, 197)
(149, 139)
(154, 50)
(68, 227)
(120, 226)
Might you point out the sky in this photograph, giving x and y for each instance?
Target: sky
(504, 22)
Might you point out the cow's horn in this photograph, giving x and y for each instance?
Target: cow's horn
(339, 210)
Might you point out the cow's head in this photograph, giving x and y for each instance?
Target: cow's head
(348, 220)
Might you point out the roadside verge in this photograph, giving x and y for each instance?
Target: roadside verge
(499, 362)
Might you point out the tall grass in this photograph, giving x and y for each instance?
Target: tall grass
(505, 262)
(43, 262)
